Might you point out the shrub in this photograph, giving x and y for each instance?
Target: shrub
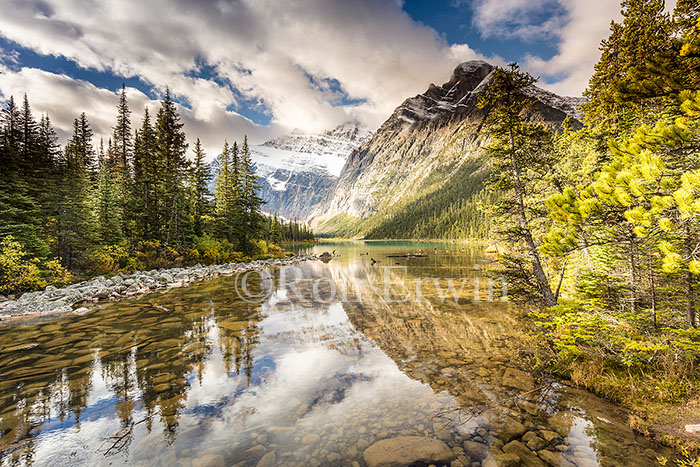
(18, 273)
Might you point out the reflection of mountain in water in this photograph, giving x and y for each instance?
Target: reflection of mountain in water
(466, 351)
(321, 369)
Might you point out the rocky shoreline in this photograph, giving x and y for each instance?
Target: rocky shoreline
(79, 297)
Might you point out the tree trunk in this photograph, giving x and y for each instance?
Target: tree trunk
(633, 272)
(540, 276)
(653, 291)
(690, 302)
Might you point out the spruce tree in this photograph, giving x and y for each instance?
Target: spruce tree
(250, 199)
(517, 150)
(108, 200)
(19, 211)
(75, 229)
(147, 186)
(121, 168)
(171, 148)
(201, 176)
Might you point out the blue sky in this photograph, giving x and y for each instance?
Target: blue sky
(262, 68)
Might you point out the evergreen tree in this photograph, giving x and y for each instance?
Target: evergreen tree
(120, 168)
(228, 200)
(19, 211)
(75, 226)
(250, 199)
(201, 176)
(518, 151)
(147, 185)
(171, 148)
(108, 202)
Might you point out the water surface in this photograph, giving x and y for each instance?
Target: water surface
(320, 361)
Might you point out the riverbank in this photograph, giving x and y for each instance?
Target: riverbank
(82, 296)
(652, 372)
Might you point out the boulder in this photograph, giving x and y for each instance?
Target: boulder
(165, 277)
(312, 438)
(408, 450)
(476, 451)
(509, 428)
(692, 428)
(527, 457)
(554, 458)
(268, 460)
(501, 460)
(518, 379)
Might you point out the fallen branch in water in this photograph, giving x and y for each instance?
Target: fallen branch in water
(120, 440)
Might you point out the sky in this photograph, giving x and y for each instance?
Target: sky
(264, 67)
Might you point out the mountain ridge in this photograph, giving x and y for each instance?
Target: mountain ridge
(420, 147)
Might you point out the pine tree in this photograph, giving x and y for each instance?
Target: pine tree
(250, 200)
(108, 201)
(201, 176)
(171, 148)
(75, 220)
(121, 168)
(147, 185)
(228, 199)
(517, 150)
(19, 212)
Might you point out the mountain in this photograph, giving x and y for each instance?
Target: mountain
(297, 171)
(421, 173)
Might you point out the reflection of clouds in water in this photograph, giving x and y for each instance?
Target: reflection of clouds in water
(276, 322)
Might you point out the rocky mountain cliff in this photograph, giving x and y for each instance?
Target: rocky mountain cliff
(297, 171)
(424, 143)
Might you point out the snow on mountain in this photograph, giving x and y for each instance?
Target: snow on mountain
(297, 171)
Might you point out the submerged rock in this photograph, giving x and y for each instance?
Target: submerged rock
(518, 379)
(408, 450)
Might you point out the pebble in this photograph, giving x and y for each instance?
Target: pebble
(53, 300)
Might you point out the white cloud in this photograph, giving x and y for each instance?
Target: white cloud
(515, 18)
(577, 26)
(63, 98)
(282, 55)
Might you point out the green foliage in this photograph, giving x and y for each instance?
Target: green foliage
(19, 272)
(215, 251)
(139, 204)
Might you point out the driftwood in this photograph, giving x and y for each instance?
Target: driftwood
(120, 440)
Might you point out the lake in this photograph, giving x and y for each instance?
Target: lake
(311, 364)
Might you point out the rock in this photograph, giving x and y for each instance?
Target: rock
(527, 458)
(554, 458)
(408, 450)
(165, 277)
(209, 460)
(518, 379)
(333, 457)
(476, 451)
(311, 438)
(561, 422)
(536, 443)
(528, 407)
(501, 460)
(81, 310)
(268, 460)
(548, 436)
(692, 428)
(509, 428)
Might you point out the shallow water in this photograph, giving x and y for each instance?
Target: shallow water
(317, 363)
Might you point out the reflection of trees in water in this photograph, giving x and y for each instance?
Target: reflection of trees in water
(146, 351)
